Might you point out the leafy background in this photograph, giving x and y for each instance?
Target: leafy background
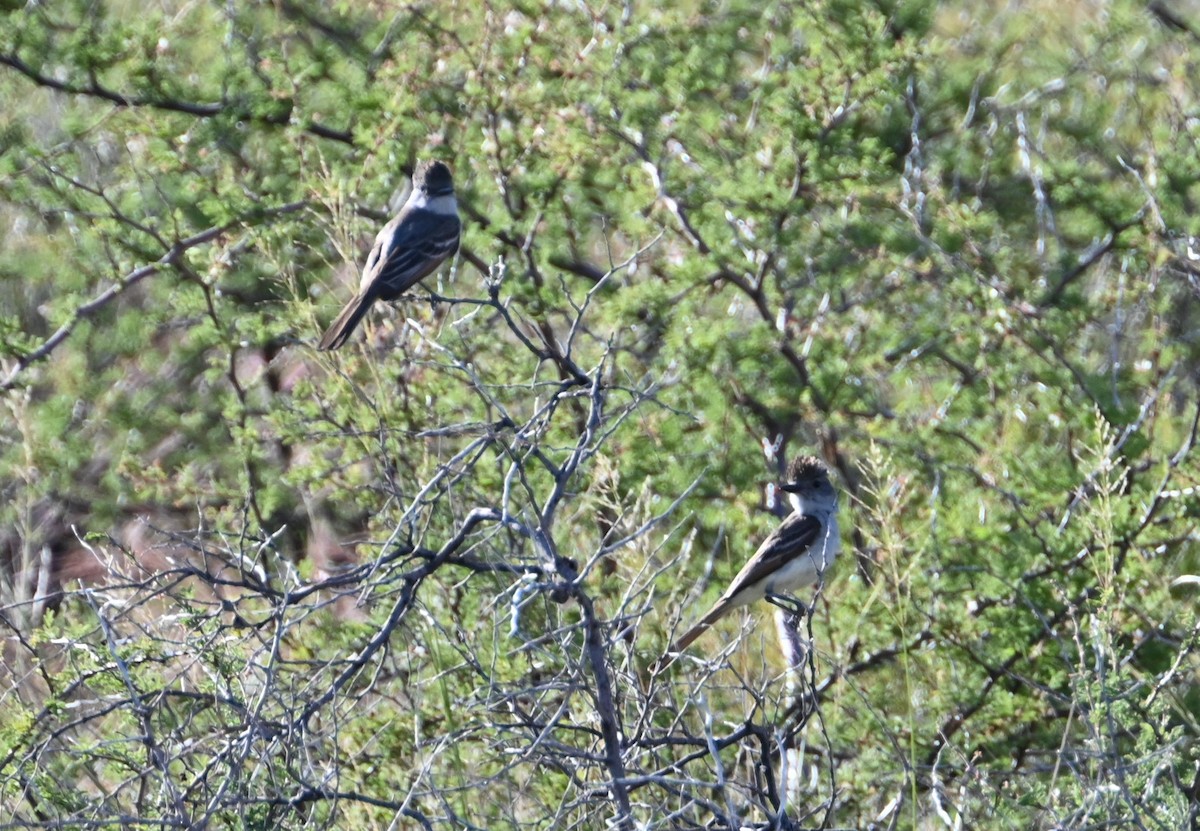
(423, 581)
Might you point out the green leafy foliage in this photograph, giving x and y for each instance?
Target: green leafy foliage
(424, 580)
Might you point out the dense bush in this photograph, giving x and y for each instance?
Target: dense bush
(424, 581)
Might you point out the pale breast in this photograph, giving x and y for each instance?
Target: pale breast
(802, 571)
(807, 569)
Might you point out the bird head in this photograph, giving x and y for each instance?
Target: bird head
(433, 177)
(808, 477)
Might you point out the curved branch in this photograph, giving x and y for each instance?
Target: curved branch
(170, 258)
(199, 109)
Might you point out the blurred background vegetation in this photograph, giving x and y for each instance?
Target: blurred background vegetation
(422, 581)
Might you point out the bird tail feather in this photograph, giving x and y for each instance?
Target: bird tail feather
(714, 614)
(343, 325)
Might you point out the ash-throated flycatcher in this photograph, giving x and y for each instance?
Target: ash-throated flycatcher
(410, 247)
(795, 554)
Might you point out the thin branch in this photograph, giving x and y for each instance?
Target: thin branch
(171, 258)
(93, 88)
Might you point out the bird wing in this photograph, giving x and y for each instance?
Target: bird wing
(407, 249)
(793, 538)
(795, 535)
